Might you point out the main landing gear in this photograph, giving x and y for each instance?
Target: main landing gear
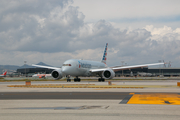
(76, 79)
(101, 79)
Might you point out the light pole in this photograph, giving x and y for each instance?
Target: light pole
(25, 67)
(159, 68)
(122, 65)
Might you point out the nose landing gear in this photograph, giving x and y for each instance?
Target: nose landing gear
(68, 78)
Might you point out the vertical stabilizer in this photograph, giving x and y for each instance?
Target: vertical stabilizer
(4, 73)
(105, 54)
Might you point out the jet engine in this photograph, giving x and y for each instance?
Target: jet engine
(57, 74)
(108, 74)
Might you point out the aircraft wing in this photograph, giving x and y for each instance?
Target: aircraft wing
(45, 66)
(125, 67)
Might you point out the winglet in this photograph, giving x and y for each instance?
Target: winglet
(105, 55)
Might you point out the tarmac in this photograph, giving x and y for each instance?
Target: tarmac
(158, 99)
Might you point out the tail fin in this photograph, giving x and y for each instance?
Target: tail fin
(4, 73)
(105, 55)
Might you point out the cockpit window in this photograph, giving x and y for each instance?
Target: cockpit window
(66, 64)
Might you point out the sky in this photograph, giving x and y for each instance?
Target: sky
(53, 31)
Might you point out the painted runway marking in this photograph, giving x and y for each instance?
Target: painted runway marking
(155, 98)
(101, 88)
(126, 99)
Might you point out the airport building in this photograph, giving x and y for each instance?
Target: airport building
(30, 70)
(167, 72)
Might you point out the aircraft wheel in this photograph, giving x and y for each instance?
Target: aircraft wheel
(101, 79)
(75, 80)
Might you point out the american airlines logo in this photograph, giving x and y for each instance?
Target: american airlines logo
(105, 54)
(83, 65)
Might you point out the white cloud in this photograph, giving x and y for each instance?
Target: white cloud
(118, 9)
(163, 34)
(132, 14)
(55, 31)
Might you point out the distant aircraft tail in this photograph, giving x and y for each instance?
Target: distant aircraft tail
(4, 73)
(105, 55)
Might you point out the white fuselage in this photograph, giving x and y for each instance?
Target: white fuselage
(76, 67)
(41, 75)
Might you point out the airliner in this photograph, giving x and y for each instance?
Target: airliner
(4, 74)
(41, 75)
(76, 68)
(144, 74)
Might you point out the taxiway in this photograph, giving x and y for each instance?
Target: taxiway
(159, 101)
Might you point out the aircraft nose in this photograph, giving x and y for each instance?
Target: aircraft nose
(64, 70)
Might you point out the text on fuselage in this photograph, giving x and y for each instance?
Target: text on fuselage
(84, 65)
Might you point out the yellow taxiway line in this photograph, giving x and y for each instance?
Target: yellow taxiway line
(91, 86)
(74, 86)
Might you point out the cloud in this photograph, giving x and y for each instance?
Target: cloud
(132, 14)
(32, 31)
(54, 31)
(129, 9)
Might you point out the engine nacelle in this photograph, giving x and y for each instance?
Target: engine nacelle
(57, 74)
(108, 74)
